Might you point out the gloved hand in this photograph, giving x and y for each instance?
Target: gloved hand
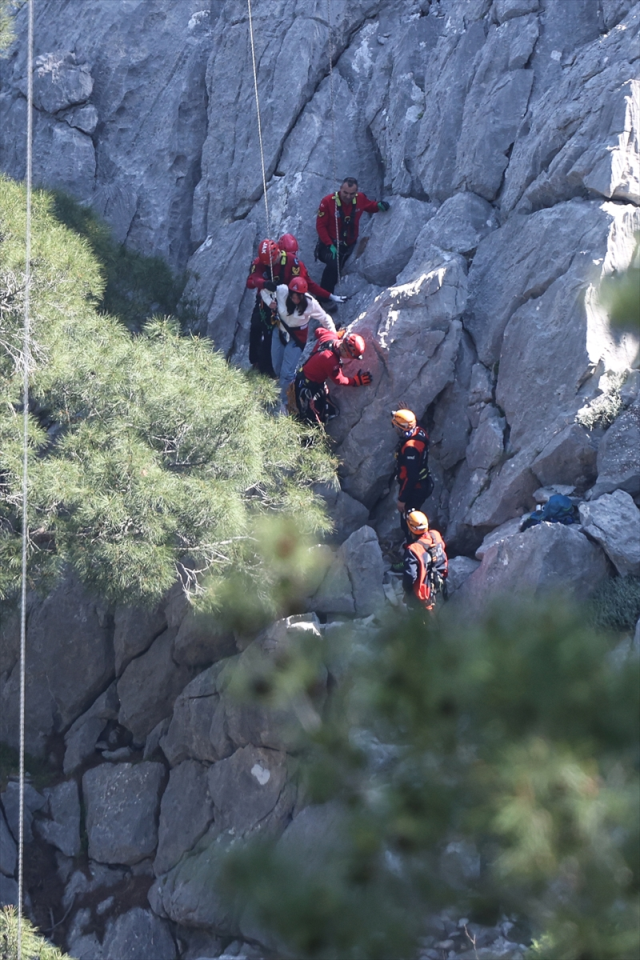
(363, 378)
(334, 250)
(336, 298)
(383, 206)
(270, 286)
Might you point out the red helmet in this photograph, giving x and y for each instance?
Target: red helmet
(298, 285)
(354, 345)
(268, 252)
(288, 242)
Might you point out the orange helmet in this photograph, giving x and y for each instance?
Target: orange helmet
(354, 345)
(404, 420)
(298, 285)
(288, 242)
(417, 522)
(268, 252)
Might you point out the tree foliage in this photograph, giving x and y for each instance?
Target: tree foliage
(487, 768)
(34, 946)
(147, 453)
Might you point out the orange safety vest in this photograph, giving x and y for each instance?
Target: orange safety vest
(429, 550)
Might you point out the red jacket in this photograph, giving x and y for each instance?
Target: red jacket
(325, 362)
(284, 271)
(348, 219)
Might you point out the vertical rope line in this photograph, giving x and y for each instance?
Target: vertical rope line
(255, 87)
(26, 361)
(333, 137)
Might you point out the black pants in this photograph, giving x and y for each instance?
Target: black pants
(330, 272)
(260, 334)
(313, 402)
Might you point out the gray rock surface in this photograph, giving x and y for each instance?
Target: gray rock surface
(122, 802)
(546, 558)
(136, 934)
(613, 521)
(250, 791)
(348, 514)
(188, 894)
(69, 663)
(135, 629)
(83, 734)
(199, 642)
(460, 569)
(186, 810)
(568, 458)
(353, 582)
(149, 686)
(63, 829)
(8, 849)
(619, 456)
(500, 132)
(189, 732)
(59, 81)
(8, 891)
(34, 802)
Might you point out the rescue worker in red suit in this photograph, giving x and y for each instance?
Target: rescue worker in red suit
(274, 265)
(425, 563)
(412, 464)
(350, 205)
(325, 363)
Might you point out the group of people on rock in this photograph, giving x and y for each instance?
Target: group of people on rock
(294, 339)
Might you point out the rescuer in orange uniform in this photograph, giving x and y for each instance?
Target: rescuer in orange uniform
(412, 464)
(350, 205)
(425, 563)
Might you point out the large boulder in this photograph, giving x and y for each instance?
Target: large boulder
(134, 630)
(149, 686)
(353, 582)
(250, 791)
(186, 811)
(83, 734)
(138, 933)
(619, 455)
(189, 732)
(69, 663)
(59, 81)
(388, 240)
(63, 829)
(613, 521)
(543, 559)
(122, 802)
(8, 849)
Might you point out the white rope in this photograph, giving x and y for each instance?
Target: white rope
(333, 138)
(255, 87)
(26, 360)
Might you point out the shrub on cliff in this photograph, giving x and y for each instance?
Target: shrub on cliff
(34, 946)
(148, 454)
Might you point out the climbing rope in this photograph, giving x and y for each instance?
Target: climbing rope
(333, 137)
(255, 87)
(26, 362)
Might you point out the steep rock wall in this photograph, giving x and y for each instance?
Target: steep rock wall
(505, 135)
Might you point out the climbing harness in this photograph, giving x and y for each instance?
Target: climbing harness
(255, 87)
(26, 361)
(333, 138)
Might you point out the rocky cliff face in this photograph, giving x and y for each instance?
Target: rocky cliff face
(504, 133)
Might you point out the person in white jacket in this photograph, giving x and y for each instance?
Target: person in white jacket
(299, 315)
